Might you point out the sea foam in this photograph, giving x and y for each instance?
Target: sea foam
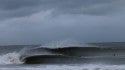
(10, 58)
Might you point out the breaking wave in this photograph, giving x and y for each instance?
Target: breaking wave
(65, 54)
(10, 58)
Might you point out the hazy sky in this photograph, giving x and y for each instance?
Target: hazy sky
(38, 21)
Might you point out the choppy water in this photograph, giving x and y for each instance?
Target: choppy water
(83, 58)
(63, 67)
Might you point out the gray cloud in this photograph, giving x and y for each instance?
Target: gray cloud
(14, 8)
(35, 22)
(14, 4)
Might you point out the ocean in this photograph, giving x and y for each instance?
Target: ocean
(95, 56)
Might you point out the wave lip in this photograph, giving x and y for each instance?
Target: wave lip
(91, 51)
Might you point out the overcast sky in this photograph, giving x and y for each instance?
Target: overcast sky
(40, 21)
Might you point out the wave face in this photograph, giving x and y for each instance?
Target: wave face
(59, 59)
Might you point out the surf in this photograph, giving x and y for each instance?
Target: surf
(10, 58)
(74, 54)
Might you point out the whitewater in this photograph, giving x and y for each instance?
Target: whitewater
(63, 67)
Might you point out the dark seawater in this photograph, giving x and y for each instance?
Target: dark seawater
(94, 56)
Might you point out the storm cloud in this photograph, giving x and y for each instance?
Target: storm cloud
(38, 21)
